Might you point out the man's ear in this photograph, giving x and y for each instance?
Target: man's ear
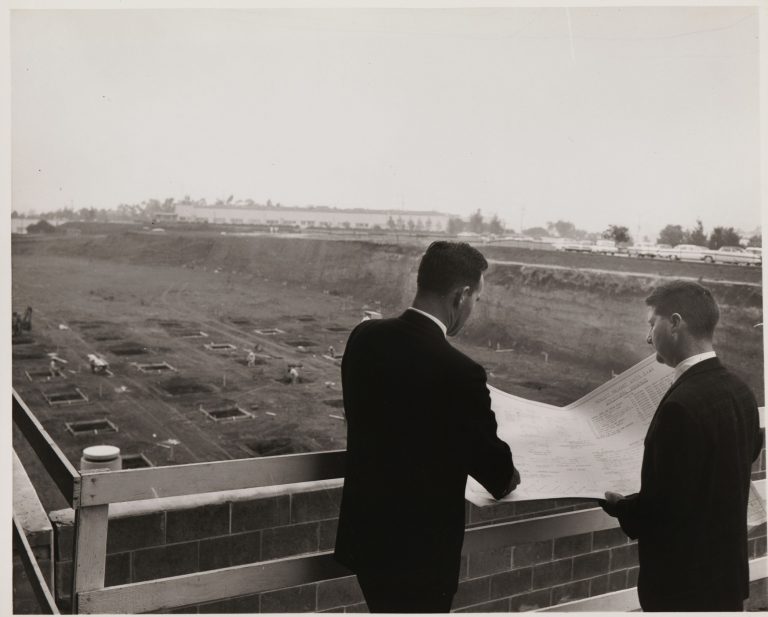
(462, 293)
(676, 320)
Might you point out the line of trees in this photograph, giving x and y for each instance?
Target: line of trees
(718, 237)
(400, 223)
(144, 211)
(566, 229)
(671, 234)
(476, 223)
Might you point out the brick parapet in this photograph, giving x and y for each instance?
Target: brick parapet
(240, 527)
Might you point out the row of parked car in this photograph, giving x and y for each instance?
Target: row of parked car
(751, 256)
(682, 252)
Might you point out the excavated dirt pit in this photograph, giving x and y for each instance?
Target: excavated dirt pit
(128, 349)
(43, 374)
(66, 396)
(224, 410)
(306, 318)
(241, 321)
(181, 386)
(287, 380)
(90, 325)
(32, 352)
(190, 334)
(135, 461)
(301, 343)
(275, 447)
(337, 403)
(257, 361)
(181, 329)
(269, 331)
(533, 385)
(170, 324)
(155, 367)
(589, 324)
(220, 347)
(91, 427)
(106, 336)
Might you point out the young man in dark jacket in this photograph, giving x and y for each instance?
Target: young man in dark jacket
(690, 516)
(419, 420)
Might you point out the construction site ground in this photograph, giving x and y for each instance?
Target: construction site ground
(175, 325)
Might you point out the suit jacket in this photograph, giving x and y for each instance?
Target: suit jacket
(419, 420)
(690, 515)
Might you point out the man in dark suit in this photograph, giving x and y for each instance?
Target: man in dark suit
(690, 516)
(419, 420)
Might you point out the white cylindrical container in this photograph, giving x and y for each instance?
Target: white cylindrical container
(101, 457)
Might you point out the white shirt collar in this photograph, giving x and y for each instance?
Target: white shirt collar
(689, 362)
(433, 318)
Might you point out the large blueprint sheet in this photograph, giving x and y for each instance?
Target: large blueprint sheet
(586, 448)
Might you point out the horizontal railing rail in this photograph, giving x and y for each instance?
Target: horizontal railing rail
(200, 587)
(61, 471)
(34, 574)
(105, 487)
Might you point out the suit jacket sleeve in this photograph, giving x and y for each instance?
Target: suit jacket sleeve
(490, 459)
(673, 456)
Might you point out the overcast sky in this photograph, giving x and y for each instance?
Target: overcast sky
(633, 116)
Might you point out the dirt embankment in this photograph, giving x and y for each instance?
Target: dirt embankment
(591, 318)
(600, 319)
(365, 271)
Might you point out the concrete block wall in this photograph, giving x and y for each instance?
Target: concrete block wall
(167, 537)
(545, 573)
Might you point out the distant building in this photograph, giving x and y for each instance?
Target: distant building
(164, 217)
(313, 216)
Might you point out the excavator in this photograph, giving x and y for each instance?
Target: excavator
(20, 323)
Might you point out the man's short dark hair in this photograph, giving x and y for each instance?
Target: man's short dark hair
(693, 302)
(447, 265)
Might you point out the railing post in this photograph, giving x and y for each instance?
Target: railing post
(40, 586)
(90, 550)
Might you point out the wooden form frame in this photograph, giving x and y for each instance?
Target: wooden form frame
(34, 574)
(68, 401)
